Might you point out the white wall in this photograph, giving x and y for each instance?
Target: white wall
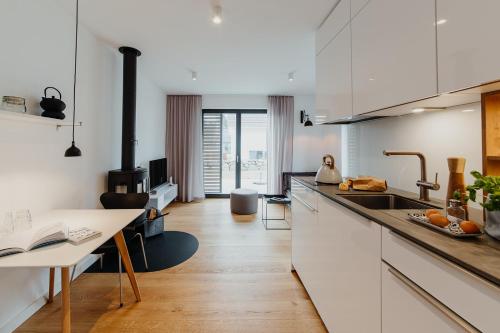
(438, 135)
(34, 172)
(309, 143)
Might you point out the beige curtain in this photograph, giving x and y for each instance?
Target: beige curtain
(280, 140)
(184, 145)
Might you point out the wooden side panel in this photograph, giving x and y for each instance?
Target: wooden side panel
(491, 133)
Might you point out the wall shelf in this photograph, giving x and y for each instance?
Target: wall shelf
(25, 117)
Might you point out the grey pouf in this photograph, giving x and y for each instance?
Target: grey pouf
(244, 201)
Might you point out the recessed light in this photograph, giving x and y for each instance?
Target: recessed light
(217, 18)
(291, 76)
(371, 79)
(442, 21)
(194, 76)
(468, 110)
(418, 110)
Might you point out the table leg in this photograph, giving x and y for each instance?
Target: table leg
(66, 310)
(122, 247)
(52, 274)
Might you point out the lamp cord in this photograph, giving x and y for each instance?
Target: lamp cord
(74, 76)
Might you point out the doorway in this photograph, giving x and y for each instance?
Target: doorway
(234, 151)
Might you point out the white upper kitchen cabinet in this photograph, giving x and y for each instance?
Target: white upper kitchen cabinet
(333, 78)
(468, 43)
(356, 6)
(347, 269)
(333, 24)
(393, 54)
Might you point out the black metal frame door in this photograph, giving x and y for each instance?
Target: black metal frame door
(238, 150)
(238, 114)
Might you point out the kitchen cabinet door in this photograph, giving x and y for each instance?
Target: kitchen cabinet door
(468, 44)
(393, 54)
(333, 78)
(405, 310)
(304, 229)
(333, 24)
(356, 6)
(347, 269)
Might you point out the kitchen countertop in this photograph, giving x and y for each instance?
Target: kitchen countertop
(480, 255)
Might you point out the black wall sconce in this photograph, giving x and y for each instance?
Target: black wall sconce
(304, 119)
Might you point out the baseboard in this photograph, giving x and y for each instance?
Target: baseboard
(33, 308)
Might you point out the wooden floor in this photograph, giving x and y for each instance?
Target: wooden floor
(238, 281)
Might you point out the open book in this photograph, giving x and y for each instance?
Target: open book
(24, 241)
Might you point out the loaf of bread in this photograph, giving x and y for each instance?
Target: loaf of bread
(369, 184)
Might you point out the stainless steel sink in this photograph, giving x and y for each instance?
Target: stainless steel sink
(385, 201)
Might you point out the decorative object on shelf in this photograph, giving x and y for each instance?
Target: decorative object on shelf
(13, 103)
(304, 119)
(491, 200)
(53, 107)
(74, 151)
(456, 181)
(327, 172)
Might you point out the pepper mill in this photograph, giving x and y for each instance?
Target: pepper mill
(456, 182)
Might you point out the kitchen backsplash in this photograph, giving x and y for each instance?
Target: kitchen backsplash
(437, 134)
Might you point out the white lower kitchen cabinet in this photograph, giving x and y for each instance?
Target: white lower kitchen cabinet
(344, 280)
(304, 226)
(469, 299)
(406, 308)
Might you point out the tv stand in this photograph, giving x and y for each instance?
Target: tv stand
(161, 196)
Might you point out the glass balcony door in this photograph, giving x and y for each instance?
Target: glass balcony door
(234, 151)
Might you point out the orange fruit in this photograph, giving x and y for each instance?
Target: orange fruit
(469, 227)
(439, 220)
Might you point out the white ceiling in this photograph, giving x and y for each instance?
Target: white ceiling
(258, 43)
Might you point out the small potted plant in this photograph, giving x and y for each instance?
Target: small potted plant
(490, 201)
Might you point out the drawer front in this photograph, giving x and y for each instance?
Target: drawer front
(472, 298)
(406, 308)
(304, 194)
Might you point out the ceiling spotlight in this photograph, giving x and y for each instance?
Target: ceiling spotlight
(217, 18)
(468, 110)
(442, 21)
(291, 76)
(418, 110)
(194, 76)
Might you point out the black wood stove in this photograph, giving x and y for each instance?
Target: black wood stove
(128, 179)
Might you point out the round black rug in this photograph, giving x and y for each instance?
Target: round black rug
(163, 251)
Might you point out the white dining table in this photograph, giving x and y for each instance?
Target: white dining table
(66, 255)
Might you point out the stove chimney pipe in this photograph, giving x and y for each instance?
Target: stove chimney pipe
(129, 105)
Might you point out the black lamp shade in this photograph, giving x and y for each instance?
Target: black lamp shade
(308, 122)
(73, 151)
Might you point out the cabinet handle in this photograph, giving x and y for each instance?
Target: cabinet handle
(433, 301)
(304, 203)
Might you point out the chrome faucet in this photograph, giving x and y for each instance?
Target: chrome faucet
(423, 184)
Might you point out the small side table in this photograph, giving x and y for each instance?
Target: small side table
(274, 199)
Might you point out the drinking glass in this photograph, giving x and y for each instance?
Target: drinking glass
(7, 225)
(22, 220)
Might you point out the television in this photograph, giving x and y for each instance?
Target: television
(157, 172)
